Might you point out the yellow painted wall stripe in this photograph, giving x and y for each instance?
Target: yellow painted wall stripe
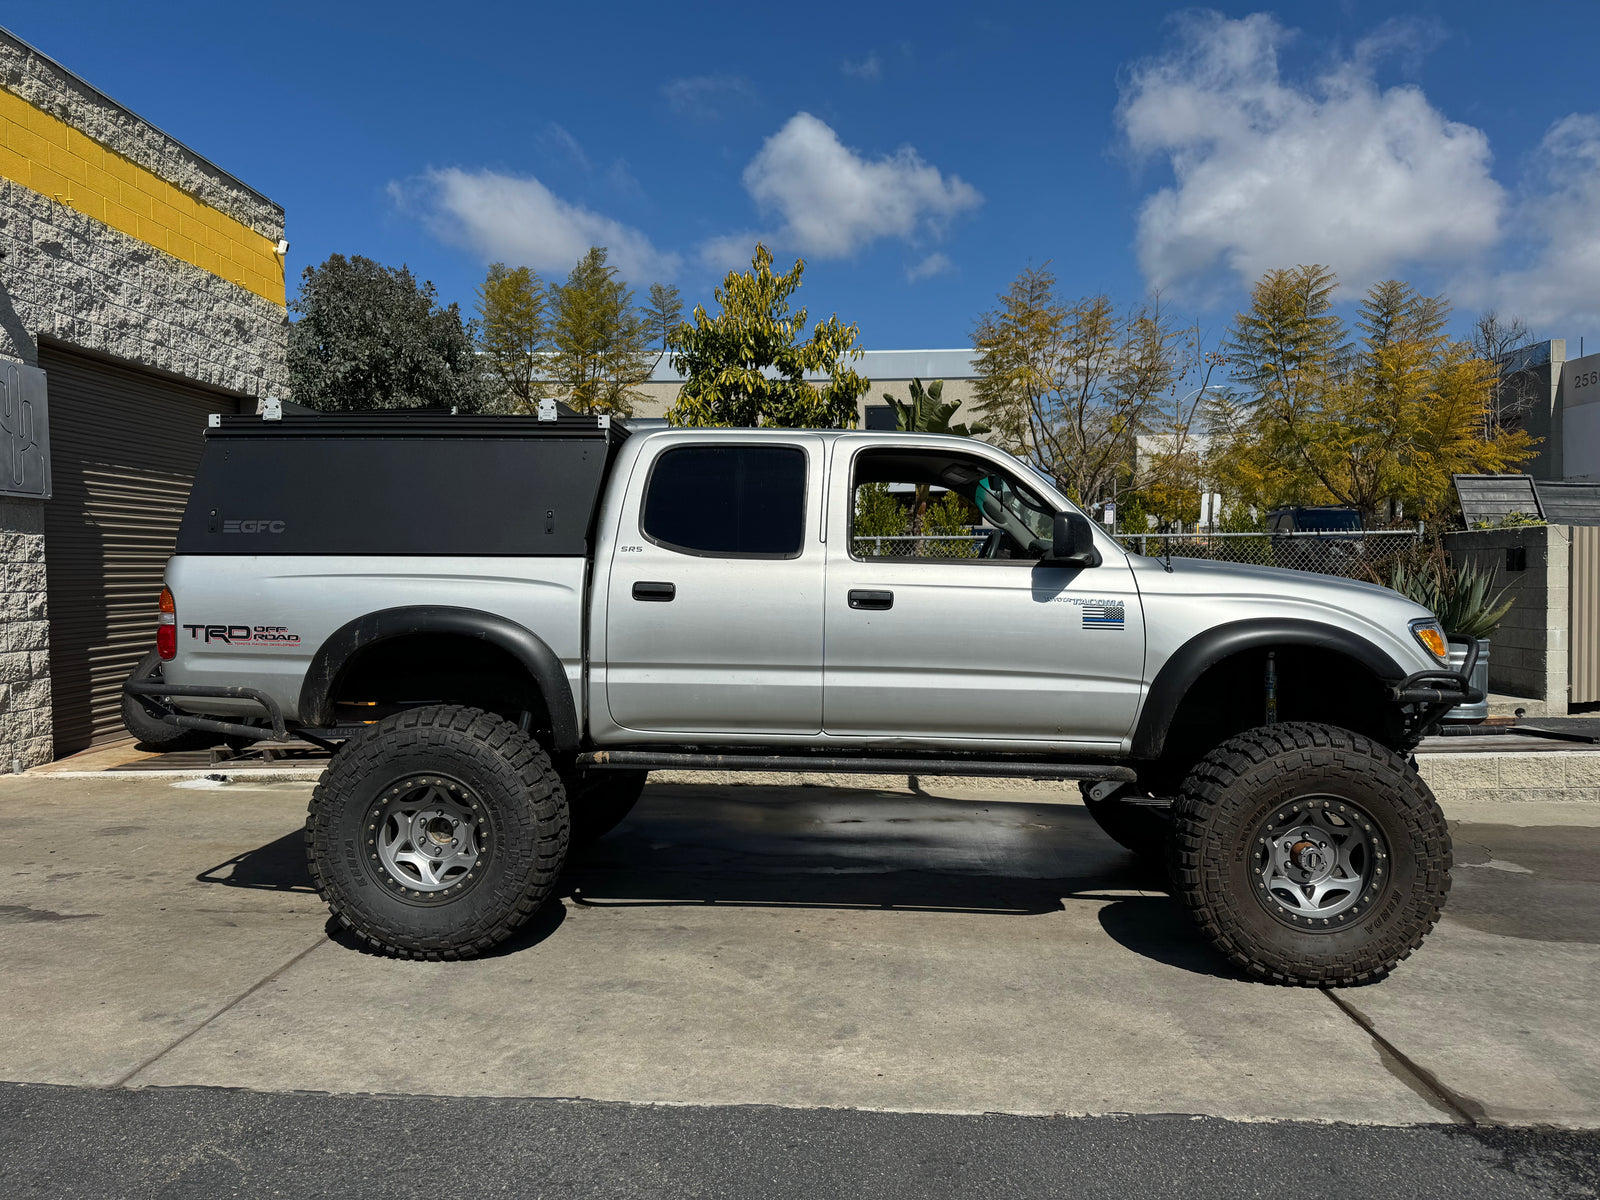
(47, 155)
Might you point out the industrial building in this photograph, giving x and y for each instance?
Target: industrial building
(141, 288)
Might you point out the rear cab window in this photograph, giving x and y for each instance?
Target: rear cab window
(727, 501)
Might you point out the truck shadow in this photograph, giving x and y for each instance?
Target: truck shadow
(279, 866)
(834, 848)
(849, 848)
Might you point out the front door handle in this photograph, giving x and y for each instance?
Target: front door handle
(650, 590)
(877, 601)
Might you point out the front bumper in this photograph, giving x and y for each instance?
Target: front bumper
(1424, 698)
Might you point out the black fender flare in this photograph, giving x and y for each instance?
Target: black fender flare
(535, 655)
(1205, 650)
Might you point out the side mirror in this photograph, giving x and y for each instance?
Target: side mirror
(1072, 542)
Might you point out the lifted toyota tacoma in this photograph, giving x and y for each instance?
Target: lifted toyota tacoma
(500, 625)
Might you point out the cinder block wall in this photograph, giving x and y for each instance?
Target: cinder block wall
(1529, 653)
(24, 636)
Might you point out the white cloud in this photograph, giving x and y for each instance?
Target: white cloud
(1270, 174)
(733, 251)
(520, 221)
(934, 264)
(1561, 209)
(833, 201)
(703, 97)
(557, 137)
(866, 69)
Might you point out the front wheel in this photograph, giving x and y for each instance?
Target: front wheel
(437, 832)
(1310, 855)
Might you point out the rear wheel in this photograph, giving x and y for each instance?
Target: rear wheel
(1310, 855)
(437, 832)
(601, 800)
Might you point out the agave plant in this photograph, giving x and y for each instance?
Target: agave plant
(1459, 596)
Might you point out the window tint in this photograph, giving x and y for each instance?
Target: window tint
(728, 500)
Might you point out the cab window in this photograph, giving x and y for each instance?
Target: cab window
(926, 506)
(727, 501)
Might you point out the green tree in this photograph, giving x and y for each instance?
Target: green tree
(744, 367)
(513, 333)
(1381, 421)
(662, 312)
(1070, 385)
(367, 337)
(601, 340)
(950, 516)
(928, 413)
(878, 513)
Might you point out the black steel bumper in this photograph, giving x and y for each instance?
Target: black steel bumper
(1430, 694)
(151, 692)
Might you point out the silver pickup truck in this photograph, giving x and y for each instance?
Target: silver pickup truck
(502, 624)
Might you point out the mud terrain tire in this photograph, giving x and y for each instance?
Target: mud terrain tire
(1255, 896)
(437, 832)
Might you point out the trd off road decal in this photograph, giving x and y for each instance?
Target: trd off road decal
(244, 635)
(1098, 614)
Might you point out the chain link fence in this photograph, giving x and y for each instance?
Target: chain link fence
(1368, 555)
(938, 545)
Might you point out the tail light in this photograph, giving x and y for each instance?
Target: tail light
(167, 630)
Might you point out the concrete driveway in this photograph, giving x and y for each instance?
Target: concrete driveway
(964, 951)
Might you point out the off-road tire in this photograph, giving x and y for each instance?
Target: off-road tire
(154, 734)
(1145, 829)
(1239, 785)
(524, 848)
(600, 800)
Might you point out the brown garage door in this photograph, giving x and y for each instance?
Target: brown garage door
(124, 445)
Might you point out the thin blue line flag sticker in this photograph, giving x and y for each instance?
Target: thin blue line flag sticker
(1103, 616)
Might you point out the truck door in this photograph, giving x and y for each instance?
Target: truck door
(714, 605)
(943, 623)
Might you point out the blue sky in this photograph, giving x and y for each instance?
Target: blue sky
(918, 157)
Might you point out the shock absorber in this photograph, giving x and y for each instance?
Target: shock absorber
(1272, 687)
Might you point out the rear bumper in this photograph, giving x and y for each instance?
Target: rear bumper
(155, 696)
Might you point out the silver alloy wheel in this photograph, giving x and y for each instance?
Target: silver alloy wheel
(1319, 862)
(429, 833)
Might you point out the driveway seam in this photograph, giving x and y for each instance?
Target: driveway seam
(1461, 1107)
(242, 996)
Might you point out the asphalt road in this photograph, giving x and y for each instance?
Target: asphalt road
(775, 991)
(68, 1142)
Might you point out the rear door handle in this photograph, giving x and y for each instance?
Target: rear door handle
(878, 601)
(648, 590)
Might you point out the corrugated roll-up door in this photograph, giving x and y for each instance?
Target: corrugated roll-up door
(124, 445)
(1584, 580)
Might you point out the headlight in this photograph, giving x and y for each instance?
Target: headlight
(1428, 631)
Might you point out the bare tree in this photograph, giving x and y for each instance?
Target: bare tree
(1497, 340)
(1071, 384)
